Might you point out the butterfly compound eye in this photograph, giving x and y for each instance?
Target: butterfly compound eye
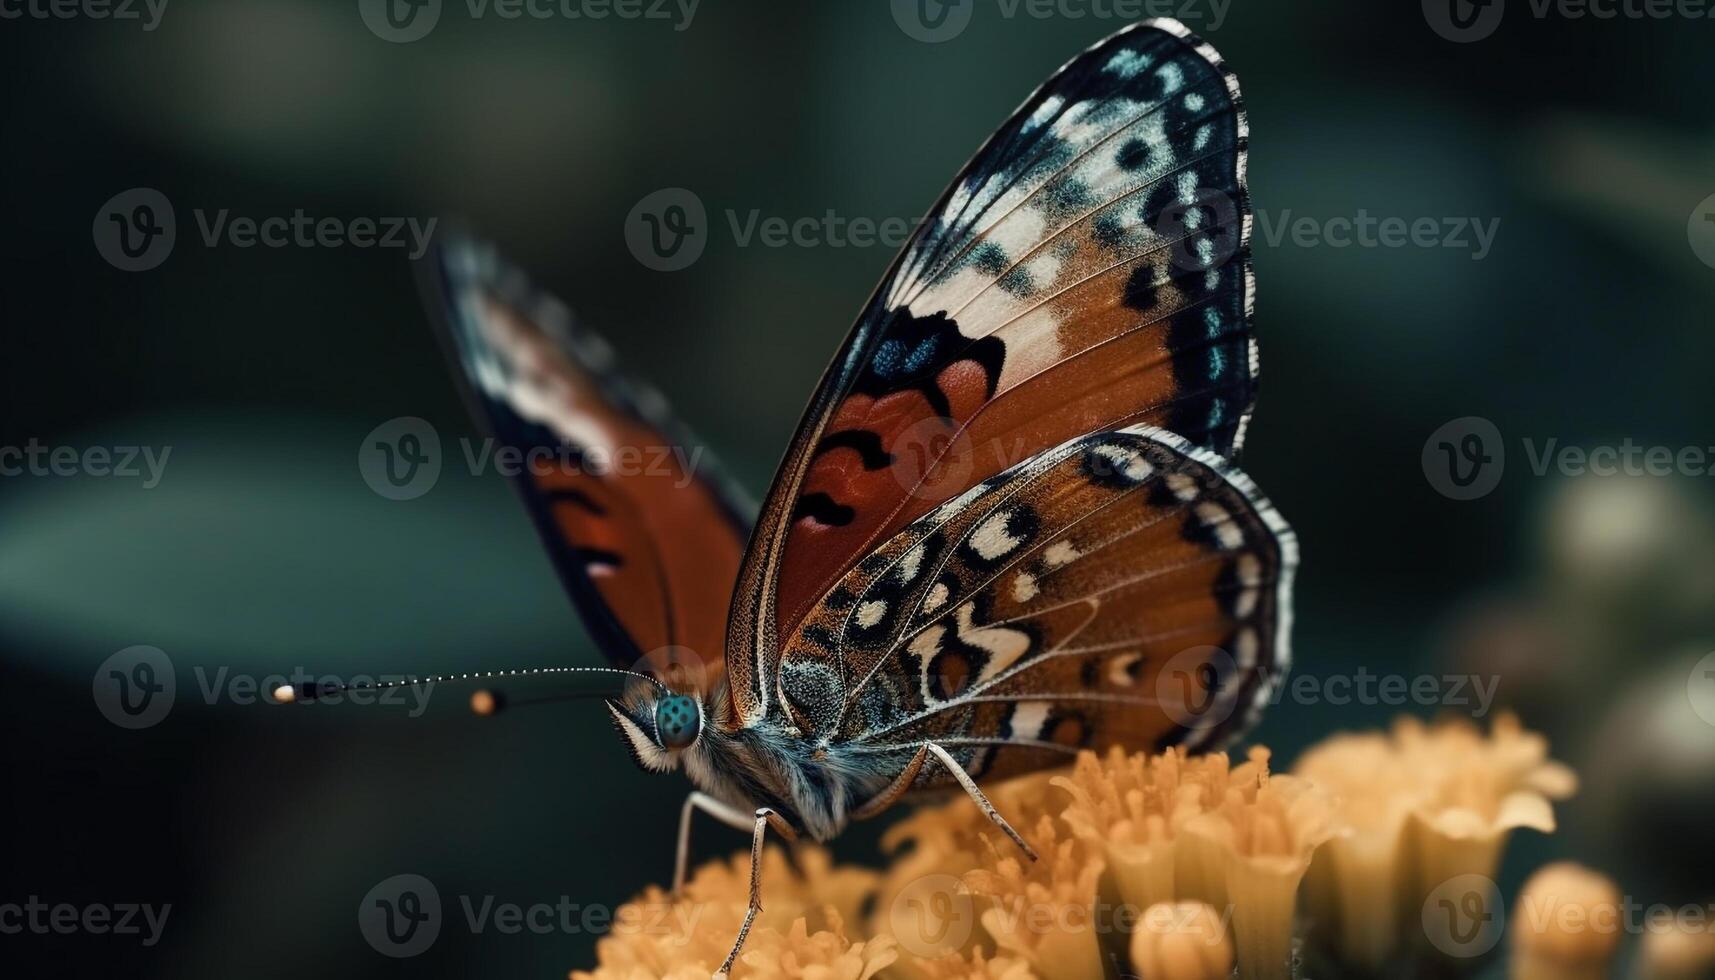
(677, 721)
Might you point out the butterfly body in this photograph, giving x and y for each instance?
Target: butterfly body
(1009, 526)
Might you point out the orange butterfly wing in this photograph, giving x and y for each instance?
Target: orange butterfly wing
(644, 531)
(1125, 588)
(1088, 270)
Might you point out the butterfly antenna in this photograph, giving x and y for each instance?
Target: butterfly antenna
(486, 701)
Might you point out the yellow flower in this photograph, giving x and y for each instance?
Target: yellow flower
(1184, 865)
(1358, 880)
(1566, 925)
(1044, 911)
(976, 966)
(827, 955)
(924, 901)
(1181, 941)
(657, 937)
(1175, 826)
(1418, 808)
(1253, 847)
(1677, 952)
(1134, 806)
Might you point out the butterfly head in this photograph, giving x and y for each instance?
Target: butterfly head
(658, 724)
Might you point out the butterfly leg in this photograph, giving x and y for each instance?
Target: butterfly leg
(730, 815)
(908, 775)
(765, 818)
(976, 794)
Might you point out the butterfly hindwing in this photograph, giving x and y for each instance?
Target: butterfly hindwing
(1065, 604)
(644, 531)
(1088, 270)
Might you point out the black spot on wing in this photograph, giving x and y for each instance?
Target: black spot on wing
(989, 257)
(1229, 586)
(914, 350)
(823, 509)
(865, 443)
(1141, 291)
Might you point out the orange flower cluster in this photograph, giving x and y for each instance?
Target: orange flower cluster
(1166, 866)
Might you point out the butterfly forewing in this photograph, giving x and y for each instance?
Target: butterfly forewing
(1088, 270)
(643, 529)
(1124, 588)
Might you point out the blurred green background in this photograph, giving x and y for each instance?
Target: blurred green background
(261, 549)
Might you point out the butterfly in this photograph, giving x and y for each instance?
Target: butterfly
(1008, 527)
